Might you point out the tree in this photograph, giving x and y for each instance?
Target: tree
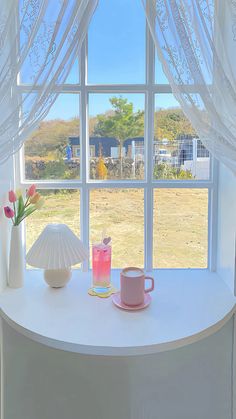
(122, 123)
(50, 139)
(169, 123)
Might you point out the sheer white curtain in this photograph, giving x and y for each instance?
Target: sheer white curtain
(39, 40)
(196, 44)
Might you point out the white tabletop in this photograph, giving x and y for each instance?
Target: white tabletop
(186, 306)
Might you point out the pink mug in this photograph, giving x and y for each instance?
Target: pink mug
(132, 286)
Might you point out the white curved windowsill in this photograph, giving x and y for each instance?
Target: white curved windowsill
(186, 306)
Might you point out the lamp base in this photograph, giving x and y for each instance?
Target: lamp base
(57, 278)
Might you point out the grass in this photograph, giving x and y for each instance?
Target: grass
(180, 224)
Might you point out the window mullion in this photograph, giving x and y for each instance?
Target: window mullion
(212, 217)
(148, 196)
(84, 196)
(149, 126)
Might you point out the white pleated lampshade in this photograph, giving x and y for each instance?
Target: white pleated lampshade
(57, 247)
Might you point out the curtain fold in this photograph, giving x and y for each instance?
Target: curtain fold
(196, 45)
(39, 42)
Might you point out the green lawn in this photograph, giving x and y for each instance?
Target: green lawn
(180, 223)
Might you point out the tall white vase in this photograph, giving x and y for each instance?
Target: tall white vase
(16, 261)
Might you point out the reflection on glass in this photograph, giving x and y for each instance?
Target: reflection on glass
(180, 235)
(120, 214)
(177, 151)
(51, 152)
(116, 136)
(116, 46)
(60, 206)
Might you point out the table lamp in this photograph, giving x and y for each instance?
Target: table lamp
(56, 250)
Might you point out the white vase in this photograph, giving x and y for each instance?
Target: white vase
(16, 261)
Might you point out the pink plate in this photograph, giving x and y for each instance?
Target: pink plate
(117, 301)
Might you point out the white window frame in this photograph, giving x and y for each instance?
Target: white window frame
(84, 184)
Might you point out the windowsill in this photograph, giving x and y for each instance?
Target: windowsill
(187, 305)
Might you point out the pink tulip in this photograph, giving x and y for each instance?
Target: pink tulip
(9, 213)
(31, 191)
(12, 196)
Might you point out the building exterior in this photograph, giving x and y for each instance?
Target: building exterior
(190, 147)
(193, 157)
(186, 152)
(108, 147)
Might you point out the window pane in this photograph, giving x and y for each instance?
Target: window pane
(73, 76)
(44, 56)
(116, 140)
(116, 46)
(178, 153)
(120, 213)
(160, 77)
(50, 151)
(180, 228)
(61, 206)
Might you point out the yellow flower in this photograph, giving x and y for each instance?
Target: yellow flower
(39, 203)
(35, 198)
(101, 169)
(18, 193)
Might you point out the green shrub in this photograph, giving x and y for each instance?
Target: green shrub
(54, 170)
(165, 171)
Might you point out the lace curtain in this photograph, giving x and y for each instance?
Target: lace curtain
(196, 44)
(39, 41)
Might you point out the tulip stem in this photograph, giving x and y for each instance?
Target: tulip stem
(14, 206)
(26, 202)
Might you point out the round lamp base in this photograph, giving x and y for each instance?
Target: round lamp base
(57, 278)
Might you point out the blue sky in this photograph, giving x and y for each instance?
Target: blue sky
(116, 54)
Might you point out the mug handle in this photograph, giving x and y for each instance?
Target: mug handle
(152, 286)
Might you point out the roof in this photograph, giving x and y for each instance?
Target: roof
(76, 140)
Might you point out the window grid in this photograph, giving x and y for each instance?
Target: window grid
(84, 184)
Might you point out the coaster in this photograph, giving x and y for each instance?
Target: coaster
(107, 294)
(117, 301)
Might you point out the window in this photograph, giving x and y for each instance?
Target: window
(122, 135)
(56, 210)
(116, 153)
(180, 228)
(126, 21)
(50, 148)
(178, 152)
(121, 213)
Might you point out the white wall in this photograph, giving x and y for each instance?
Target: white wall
(193, 382)
(226, 226)
(199, 168)
(6, 182)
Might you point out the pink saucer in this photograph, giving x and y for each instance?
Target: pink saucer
(117, 301)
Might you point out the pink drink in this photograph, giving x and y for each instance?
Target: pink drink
(101, 261)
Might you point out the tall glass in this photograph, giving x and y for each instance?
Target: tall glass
(101, 263)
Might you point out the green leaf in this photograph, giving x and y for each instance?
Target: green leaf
(122, 123)
(26, 213)
(21, 206)
(20, 209)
